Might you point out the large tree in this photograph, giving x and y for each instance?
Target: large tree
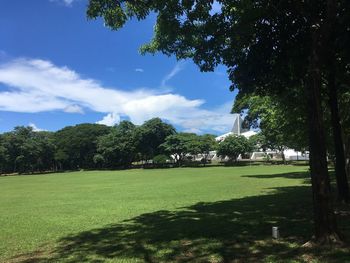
(233, 146)
(180, 145)
(206, 144)
(269, 47)
(281, 125)
(24, 150)
(76, 145)
(150, 135)
(118, 148)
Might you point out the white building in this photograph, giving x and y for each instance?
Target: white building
(237, 129)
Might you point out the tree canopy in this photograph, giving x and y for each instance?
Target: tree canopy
(233, 146)
(77, 145)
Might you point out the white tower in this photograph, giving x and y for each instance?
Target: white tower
(237, 124)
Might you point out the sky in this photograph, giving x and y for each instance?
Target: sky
(57, 68)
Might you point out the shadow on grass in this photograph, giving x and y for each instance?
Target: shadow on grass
(294, 175)
(236, 230)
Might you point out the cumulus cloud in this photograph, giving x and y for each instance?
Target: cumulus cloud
(35, 85)
(140, 70)
(110, 119)
(35, 128)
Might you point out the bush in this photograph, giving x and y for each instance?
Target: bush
(160, 159)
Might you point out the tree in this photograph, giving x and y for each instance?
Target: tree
(76, 145)
(281, 128)
(3, 156)
(281, 124)
(233, 146)
(179, 145)
(207, 143)
(46, 150)
(150, 135)
(259, 142)
(117, 149)
(269, 47)
(24, 150)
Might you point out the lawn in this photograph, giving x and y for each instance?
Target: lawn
(213, 214)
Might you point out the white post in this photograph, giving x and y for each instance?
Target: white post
(275, 232)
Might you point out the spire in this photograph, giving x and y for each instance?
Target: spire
(237, 124)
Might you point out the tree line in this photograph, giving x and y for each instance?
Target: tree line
(95, 146)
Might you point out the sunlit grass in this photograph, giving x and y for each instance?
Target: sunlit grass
(164, 215)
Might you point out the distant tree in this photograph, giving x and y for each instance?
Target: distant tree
(233, 146)
(281, 125)
(24, 150)
(207, 143)
(160, 159)
(258, 142)
(181, 144)
(76, 145)
(45, 160)
(118, 148)
(150, 135)
(3, 156)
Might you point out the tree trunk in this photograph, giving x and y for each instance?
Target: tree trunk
(283, 156)
(325, 222)
(347, 156)
(340, 163)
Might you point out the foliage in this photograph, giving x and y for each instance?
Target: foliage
(117, 148)
(181, 144)
(76, 145)
(24, 150)
(233, 146)
(91, 146)
(207, 144)
(150, 135)
(3, 155)
(280, 126)
(160, 159)
(258, 142)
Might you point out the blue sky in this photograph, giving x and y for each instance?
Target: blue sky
(57, 68)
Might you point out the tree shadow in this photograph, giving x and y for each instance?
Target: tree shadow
(237, 230)
(294, 175)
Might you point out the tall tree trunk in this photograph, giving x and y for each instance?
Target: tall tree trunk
(347, 155)
(325, 222)
(340, 163)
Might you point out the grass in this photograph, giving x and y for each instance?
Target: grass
(213, 214)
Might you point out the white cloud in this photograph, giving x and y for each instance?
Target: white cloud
(68, 2)
(179, 66)
(110, 119)
(139, 70)
(35, 128)
(65, 2)
(73, 109)
(35, 85)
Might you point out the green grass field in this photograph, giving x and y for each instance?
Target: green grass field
(213, 214)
